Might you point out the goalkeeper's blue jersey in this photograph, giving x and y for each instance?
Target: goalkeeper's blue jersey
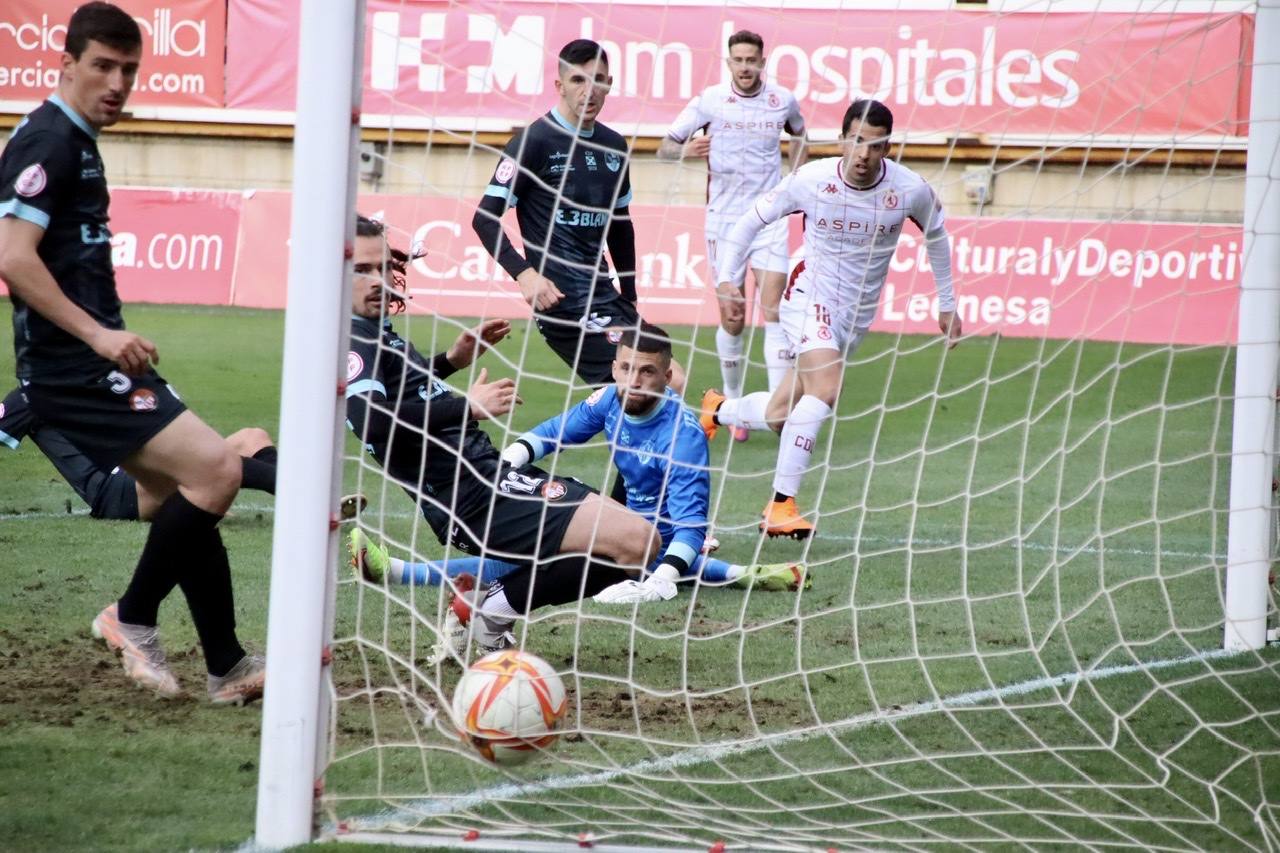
(661, 455)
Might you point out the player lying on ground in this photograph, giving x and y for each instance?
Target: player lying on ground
(113, 493)
(743, 121)
(568, 178)
(854, 207)
(88, 378)
(567, 540)
(661, 453)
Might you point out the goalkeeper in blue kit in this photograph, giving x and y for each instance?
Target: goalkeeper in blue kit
(661, 452)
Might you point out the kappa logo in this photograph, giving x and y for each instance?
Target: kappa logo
(31, 181)
(355, 365)
(554, 490)
(613, 161)
(773, 101)
(143, 400)
(831, 188)
(890, 199)
(506, 170)
(731, 100)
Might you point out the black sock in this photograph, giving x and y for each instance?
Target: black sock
(779, 497)
(268, 454)
(160, 564)
(560, 581)
(258, 474)
(207, 586)
(619, 492)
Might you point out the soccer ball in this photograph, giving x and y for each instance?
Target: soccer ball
(508, 706)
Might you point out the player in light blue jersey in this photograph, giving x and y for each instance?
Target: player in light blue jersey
(660, 450)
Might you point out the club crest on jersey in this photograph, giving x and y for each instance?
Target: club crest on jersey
(595, 397)
(31, 181)
(890, 200)
(143, 400)
(773, 101)
(355, 365)
(613, 161)
(554, 490)
(824, 333)
(506, 170)
(613, 335)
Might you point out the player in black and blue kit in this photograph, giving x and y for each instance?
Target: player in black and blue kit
(661, 451)
(85, 375)
(568, 178)
(564, 538)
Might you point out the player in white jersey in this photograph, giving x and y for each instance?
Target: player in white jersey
(744, 120)
(855, 207)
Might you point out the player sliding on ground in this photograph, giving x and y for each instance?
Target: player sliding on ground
(661, 452)
(84, 375)
(854, 207)
(112, 493)
(743, 120)
(566, 539)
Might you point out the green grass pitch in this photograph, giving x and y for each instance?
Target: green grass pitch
(1017, 511)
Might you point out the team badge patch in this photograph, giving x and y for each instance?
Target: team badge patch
(355, 365)
(143, 400)
(773, 101)
(613, 335)
(553, 490)
(824, 333)
(595, 397)
(890, 200)
(31, 181)
(613, 161)
(506, 170)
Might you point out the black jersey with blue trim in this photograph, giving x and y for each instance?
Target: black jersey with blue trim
(51, 174)
(415, 426)
(566, 185)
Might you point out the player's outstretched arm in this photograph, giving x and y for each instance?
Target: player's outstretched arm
(576, 426)
(28, 278)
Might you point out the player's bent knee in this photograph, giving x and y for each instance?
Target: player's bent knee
(248, 441)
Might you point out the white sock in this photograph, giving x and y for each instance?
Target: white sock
(778, 358)
(798, 438)
(732, 370)
(395, 570)
(748, 411)
(734, 572)
(496, 605)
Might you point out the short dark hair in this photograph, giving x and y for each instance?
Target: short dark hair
(646, 338)
(582, 51)
(869, 112)
(746, 37)
(105, 23)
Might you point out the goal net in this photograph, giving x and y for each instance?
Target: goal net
(1026, 545)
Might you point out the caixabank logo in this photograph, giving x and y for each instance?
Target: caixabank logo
(182, 47)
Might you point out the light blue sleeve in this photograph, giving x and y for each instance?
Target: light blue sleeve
(688, 490)
(576, 426)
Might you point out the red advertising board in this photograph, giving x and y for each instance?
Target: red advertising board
(183, 42)
(1141, 282)
(485, 63)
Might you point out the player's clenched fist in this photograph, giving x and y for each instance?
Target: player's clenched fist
(733, 305)
(132, 353)
(540, 292)
(949, 323)
(492, 399)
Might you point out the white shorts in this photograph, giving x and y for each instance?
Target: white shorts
(768, 252)
(811, 326)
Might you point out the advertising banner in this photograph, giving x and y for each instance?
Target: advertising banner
(488, 64)
(183, 42)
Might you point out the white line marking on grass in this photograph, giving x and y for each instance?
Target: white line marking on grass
(712, 752)
(873, 541)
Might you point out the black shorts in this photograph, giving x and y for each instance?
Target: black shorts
(108, 419)
(589, 349)
(530, 513)
(109, 493)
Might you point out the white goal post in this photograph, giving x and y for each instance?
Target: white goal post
(298, 713)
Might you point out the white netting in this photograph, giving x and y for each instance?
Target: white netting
(1010, 638)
